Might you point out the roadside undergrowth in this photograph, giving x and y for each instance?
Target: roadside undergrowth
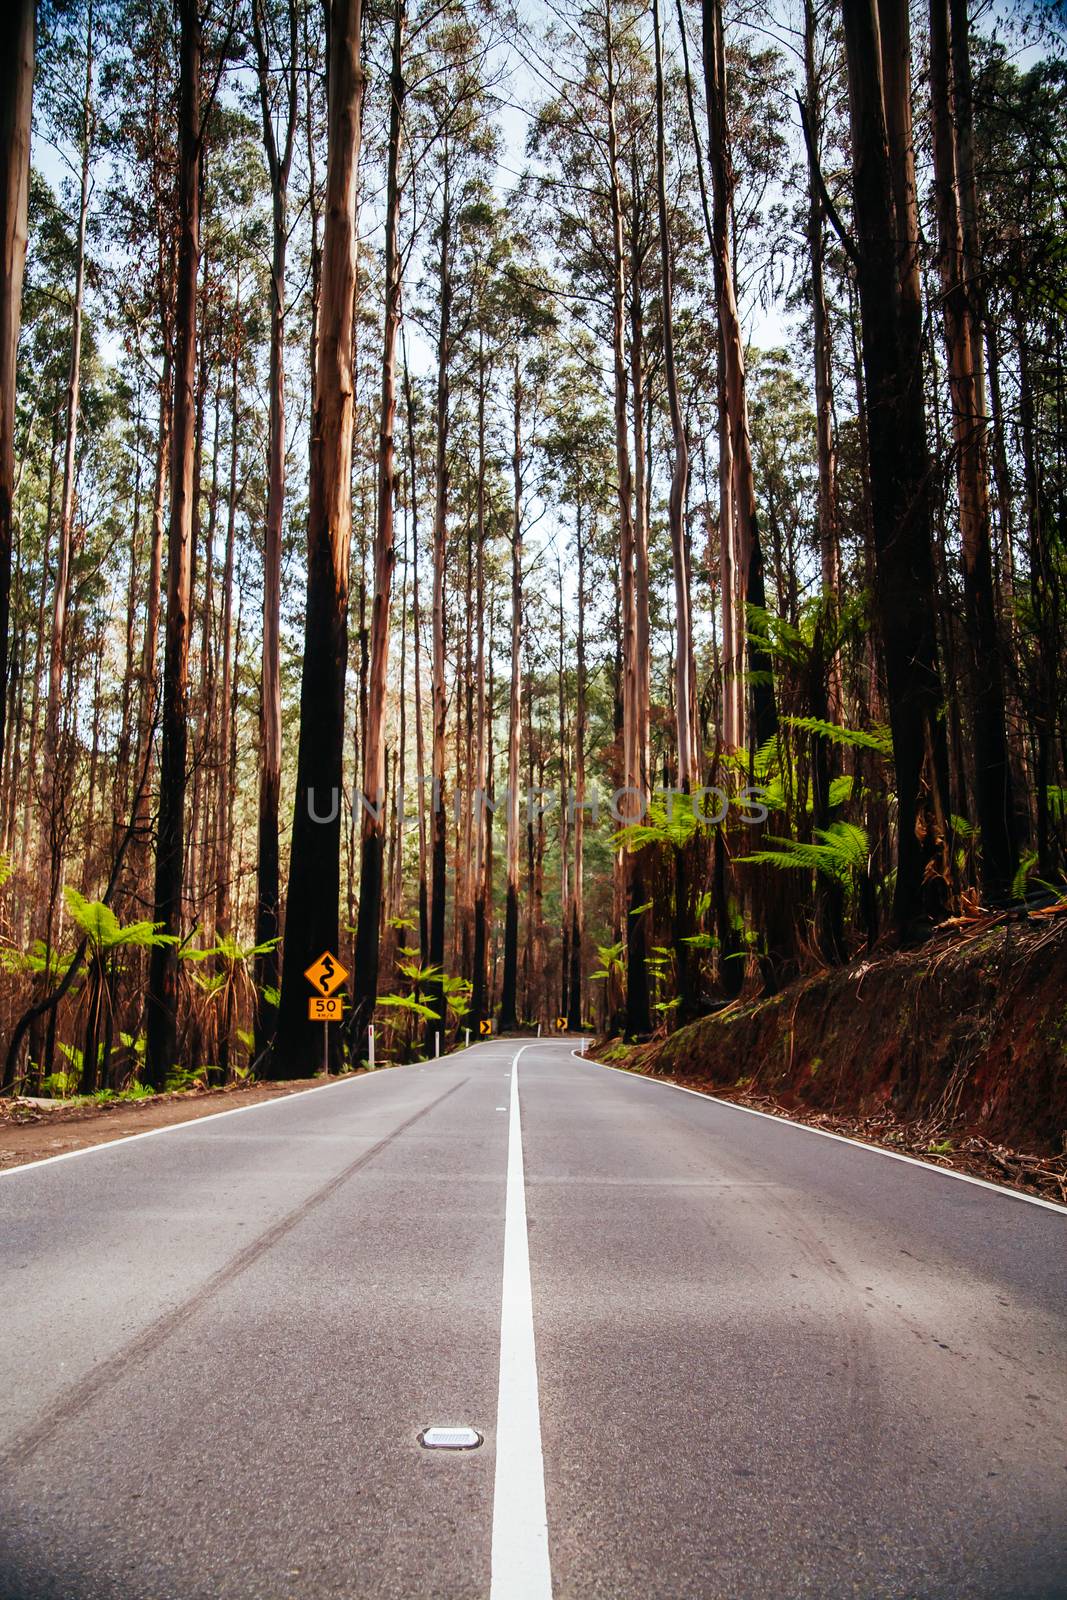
(956, 1053)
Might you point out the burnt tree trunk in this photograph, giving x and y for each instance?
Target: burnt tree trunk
(312, 910)
(993, 787)
(268, 884)
(890, 312)
(162, 1000)
(372, 843)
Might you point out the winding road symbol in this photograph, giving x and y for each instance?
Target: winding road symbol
(326, 975)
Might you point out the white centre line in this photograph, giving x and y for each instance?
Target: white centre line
(520, 1523)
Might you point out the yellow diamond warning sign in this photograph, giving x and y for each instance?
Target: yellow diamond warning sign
(326, 975)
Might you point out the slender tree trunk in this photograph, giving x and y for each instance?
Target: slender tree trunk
(629, 873)
(680, 469)
(577, 909)
(194, 870)
(162, 1002)
(371, 877)
(1043, 603)
(439, 697)
(416, 631)
(268, 885)
(992, 768)
(223, 810)
(51, 865)
(121, 791)
(679, 494)
(509, 985)
(564, 819)
(31, 789)
(829, 535)
(747, 555)
(17, 35)
(312, 913)
(482, 874)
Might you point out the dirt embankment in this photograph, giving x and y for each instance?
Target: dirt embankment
(957, 1052)
(31, 1131)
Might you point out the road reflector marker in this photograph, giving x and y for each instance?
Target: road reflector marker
(438, 1438)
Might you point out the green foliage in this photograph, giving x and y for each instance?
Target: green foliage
(135, 1091)
(227, 951)
(612, 961)
(36, 961)
(836, 852)
(103, 930)
(457, 993)
(879, 738)
(182, 1078)
(1027, 866)
(60, 1085)
(408, 1002)
(657, 828)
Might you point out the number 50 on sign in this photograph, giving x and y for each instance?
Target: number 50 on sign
(325, 1008)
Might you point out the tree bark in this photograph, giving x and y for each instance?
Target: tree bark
(829, 544)
(630, 880)
(438, 687)
(883, 186)
(680, 468)
(372, 843)
(312, 912)
(223, 814)
(50, 863)
(745, 556)
(162, 1001)
(992, 768)
(482, 872)
(17, 38)
(577, 909)
(268, 885)
(510, 982)
(416, 631)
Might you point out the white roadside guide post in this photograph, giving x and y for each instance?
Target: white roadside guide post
(370, 1048)
(436, 1046)
(466, 1038)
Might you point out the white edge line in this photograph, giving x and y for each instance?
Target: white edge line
(519, 1564)
(176, 1127)
(824, 1133)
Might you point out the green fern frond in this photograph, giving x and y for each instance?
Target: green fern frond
(879, 738)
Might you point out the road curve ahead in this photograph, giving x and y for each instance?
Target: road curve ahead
(710, 1354)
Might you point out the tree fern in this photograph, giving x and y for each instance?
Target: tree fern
(879, 738)
(835, 852)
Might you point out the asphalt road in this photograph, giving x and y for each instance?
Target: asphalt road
(710, 1353)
